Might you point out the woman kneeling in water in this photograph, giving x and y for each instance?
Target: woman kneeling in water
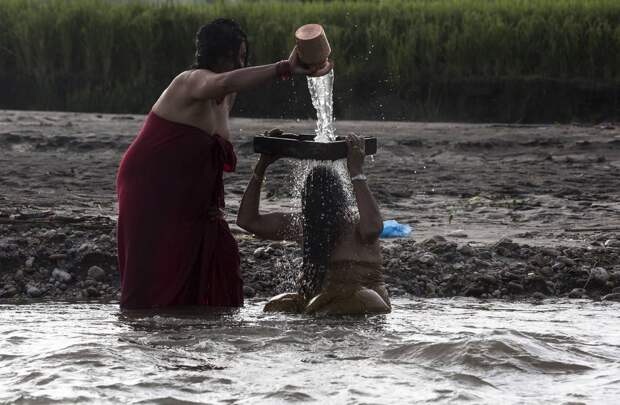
(341, 254)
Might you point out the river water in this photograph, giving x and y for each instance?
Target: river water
(425, 351)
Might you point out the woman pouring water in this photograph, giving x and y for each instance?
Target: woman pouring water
(174, 247)
(341, 271)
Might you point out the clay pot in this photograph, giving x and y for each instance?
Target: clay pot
(312, 46)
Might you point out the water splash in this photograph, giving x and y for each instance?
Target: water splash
(290, 266)
(321, 92)
(303, 167)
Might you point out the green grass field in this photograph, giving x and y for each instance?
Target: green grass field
(424, 59)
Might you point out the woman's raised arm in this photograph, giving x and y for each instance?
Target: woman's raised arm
(272, 226)
(204, 84)
(371, 223)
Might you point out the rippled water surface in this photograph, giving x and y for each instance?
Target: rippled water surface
(436, 351)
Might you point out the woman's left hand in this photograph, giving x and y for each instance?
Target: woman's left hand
(274, 132)
(266, 160)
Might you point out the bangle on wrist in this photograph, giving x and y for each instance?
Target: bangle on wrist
(283, 70)
(359, 177)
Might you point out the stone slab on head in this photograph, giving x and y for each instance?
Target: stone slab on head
(301, 146)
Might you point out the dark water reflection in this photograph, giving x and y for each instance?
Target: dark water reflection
(435, 351)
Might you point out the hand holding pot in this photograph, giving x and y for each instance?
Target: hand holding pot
(300, 68)
(312, 50)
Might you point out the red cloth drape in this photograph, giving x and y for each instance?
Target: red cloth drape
(169, 252)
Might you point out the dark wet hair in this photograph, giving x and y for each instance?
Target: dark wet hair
(324, 208)
(216, 41)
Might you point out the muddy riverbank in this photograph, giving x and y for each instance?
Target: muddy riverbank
(498, 211)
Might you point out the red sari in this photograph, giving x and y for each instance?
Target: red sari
(169, 252)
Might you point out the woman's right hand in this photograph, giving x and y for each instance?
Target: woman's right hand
(355, 154)
(299, 68)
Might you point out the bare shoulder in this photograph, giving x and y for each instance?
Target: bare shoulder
(198, 73)
(175, 94)
(194, 77)
(184, 78)
(202, 84)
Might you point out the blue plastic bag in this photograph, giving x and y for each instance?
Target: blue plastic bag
(392, 229)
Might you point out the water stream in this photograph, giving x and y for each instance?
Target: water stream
(445, 351)
(321, 92)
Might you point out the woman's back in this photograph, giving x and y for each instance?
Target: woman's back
(342, 259)
(353, 283)
(351, 247)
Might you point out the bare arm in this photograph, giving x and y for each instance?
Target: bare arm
(231, 101)
(370, 225)
(273, 226)
(205, 84)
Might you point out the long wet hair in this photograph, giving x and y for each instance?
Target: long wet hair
(324, 208)
(218, 40)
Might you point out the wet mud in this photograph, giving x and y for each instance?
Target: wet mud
(498, 211)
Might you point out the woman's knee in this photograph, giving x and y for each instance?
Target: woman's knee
(372, 301)
(286, 302)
